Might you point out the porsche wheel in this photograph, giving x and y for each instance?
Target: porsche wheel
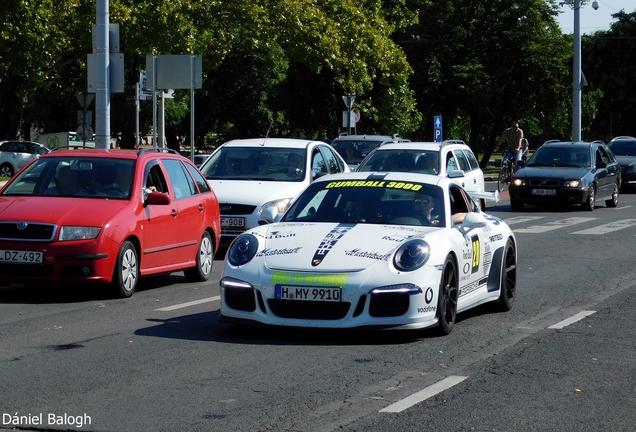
(614, 201)
(126, 273)
(508, 285)
(591, 199)
(447, 301)
(205, 256)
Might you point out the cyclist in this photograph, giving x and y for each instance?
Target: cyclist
(513, 135)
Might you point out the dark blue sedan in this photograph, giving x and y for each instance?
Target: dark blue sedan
(567, 173)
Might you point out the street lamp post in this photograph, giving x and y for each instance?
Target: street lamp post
(576, 68)
(576, 72)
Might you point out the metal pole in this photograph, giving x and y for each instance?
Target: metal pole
(137, 115)
(192, 149)
(162, 120)
(102, 91)
(576, 80)
(154, 101)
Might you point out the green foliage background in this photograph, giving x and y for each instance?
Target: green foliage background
(282, 66)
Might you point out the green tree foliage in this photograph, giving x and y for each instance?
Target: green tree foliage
(265, 62)
(609, 62)
(481, 64)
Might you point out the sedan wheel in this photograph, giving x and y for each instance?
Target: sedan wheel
(508, 285)
(591, 199)
(447, 301)
(205, 256)
(614, 201)
(6, 170)
(126, 273)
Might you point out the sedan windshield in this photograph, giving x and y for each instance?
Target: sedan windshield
(256, 163)
(623, 148)
(574, 157)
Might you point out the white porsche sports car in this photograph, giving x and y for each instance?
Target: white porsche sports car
(376, 250)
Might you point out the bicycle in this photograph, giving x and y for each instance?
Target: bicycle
(508, 168)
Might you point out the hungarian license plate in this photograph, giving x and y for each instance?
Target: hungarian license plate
(291, 292)
(233, 222)
(21, 257)
(543, 191)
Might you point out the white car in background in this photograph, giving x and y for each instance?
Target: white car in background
(16, 154)
(451, 158)
(250, 175)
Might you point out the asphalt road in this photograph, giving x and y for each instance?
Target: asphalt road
(160, 361)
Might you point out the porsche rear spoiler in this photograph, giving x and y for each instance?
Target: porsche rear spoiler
(491, 196)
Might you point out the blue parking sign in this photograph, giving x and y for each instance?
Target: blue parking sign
(437, 128)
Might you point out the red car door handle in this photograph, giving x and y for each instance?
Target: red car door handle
(174, 213)
(201, 208)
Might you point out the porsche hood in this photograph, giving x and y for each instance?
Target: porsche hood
(330, 247)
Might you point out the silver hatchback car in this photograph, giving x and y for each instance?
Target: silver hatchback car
(16, 154)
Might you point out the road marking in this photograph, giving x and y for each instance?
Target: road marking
(521, 219)
(612, 226)
(188, 304)
(551, 226)
(424, 394)
(622, 208)
(574, 318)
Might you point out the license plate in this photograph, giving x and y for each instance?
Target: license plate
(237, 222)
(325, 294)
(21, 257)
(543, 191)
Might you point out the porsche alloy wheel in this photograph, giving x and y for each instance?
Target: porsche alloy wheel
(508, 285)
(447, 301)
(591, 199)
(205, 256)
(126, 273)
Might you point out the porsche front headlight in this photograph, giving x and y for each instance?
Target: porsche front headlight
(411, 255)
(78, 233)
(242, 250)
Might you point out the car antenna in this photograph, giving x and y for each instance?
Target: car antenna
(271, 123)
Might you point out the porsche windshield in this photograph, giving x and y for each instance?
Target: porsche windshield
(369, 201)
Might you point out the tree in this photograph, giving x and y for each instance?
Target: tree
(481, 64)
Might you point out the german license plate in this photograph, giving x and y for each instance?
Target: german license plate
(21, 257)
(291, 292)
(233, 222)
(543, 191)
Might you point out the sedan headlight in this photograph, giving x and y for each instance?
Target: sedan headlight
(411, 255)
(78, 233)
(572, 183)
(281, 205)
(519, 182)
(242, 250)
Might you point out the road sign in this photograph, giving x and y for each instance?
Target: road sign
(85, 99)
(348, 101)
(437, 128)
(84, 133)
